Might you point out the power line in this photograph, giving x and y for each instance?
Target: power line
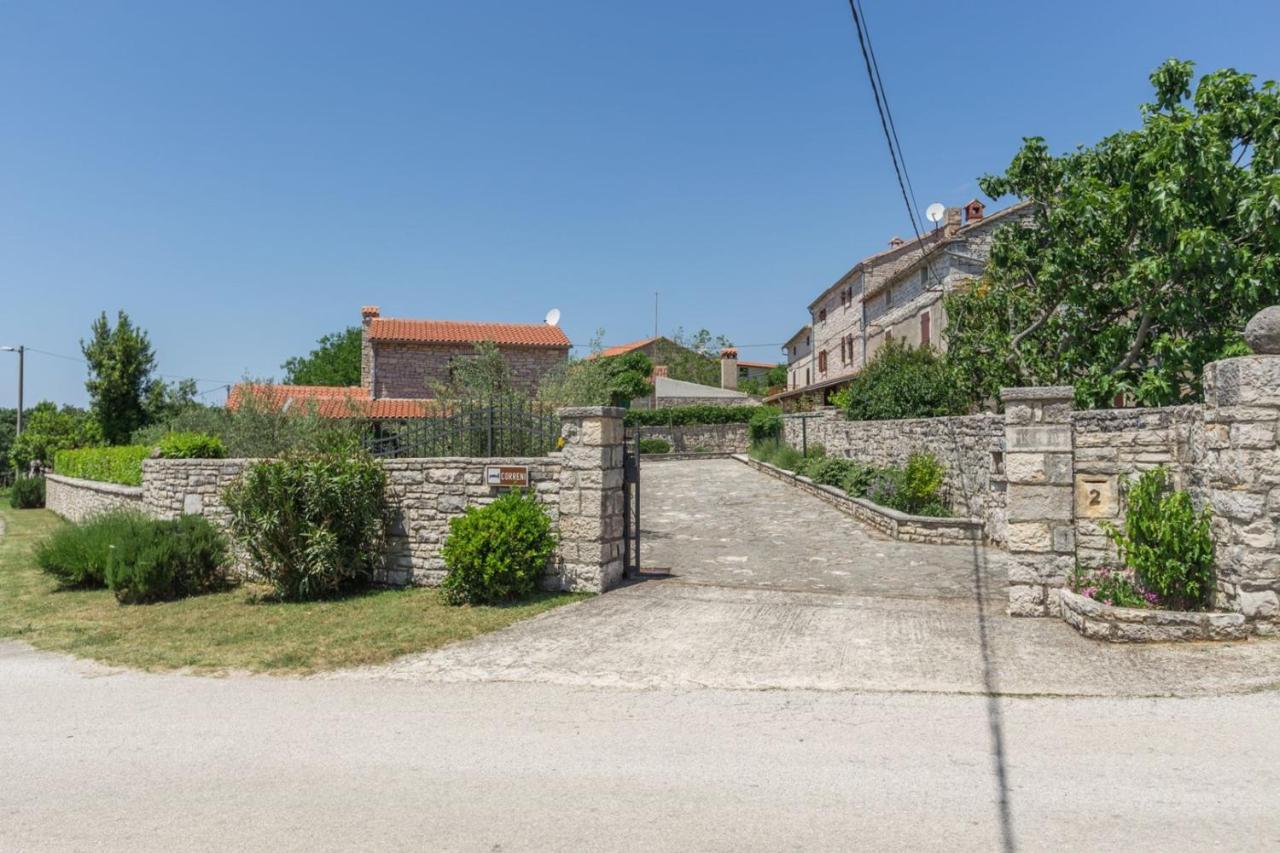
(165, 375)
(890, 130)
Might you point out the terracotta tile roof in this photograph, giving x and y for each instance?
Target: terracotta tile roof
(451, 332)
(767, 365)
(332, 402)
(623, 349)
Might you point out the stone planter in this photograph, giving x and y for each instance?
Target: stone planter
(1099, 621)
(898, 525)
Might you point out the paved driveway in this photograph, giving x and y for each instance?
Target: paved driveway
(720, 523)
(772, 588)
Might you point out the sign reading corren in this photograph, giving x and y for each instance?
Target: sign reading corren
(507, 476)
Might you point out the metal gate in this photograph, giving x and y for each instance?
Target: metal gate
(631, 507)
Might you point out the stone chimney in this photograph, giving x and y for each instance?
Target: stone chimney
(952, 221)
(729, 369)
(368, 314)
(973, 211)
(895, 241)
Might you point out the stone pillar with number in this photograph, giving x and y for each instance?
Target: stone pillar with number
(591, 508)
(1039, 463)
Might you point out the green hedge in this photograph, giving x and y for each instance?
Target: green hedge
(689, 415)
(121, 465)
(190, 445)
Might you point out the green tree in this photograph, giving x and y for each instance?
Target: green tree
(334, 361)
(8, 429)
(1143, 256)
(775, 377)
(598, 381)
(121, 362)
(46, 429)
(902, 382)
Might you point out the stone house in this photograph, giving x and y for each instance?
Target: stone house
(896, 293)
(403, 361)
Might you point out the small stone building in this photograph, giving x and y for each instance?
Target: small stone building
(403, 361)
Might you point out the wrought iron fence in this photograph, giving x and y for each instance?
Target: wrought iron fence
(504, 426)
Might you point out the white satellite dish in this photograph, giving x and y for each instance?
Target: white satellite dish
(553, 317)
(935, 212)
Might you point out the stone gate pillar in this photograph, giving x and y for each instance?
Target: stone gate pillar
(591, 521)
(1039, 463)
(1240, 473)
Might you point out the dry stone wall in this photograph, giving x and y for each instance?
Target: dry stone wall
(971, 448)
(580, 487)
(698, 438)
(1113, 445)
(77, 500)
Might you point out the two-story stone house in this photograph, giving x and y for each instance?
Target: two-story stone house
(403, 362)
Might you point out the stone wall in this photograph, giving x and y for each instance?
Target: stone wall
(1240, 481)
(411, 370)
(1113, 445)
(971, 448)
(581, 488)
(77, 500)
(896, 525)
(692, 438)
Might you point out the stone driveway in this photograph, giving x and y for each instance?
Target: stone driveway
(770, 588)
(719, 523)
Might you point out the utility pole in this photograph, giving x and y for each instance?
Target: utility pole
(21, 351)
(655, 313)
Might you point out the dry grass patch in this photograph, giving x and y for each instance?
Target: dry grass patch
(238, 630)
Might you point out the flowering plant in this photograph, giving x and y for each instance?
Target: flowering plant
(1112, 585)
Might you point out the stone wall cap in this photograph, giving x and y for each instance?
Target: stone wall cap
(1262, 332)
(1039, 392)
(591, 412)
(97, 486)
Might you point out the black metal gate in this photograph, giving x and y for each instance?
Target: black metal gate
(631, 507)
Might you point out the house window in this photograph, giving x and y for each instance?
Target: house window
(822, 316)
(844, 359)
(822, 362)
(924, 329)
(806, 376)
(888, 298)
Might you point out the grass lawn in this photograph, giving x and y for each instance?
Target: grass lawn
(230, 630)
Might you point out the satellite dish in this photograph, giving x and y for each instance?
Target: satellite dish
(553, 317)
(935, 212)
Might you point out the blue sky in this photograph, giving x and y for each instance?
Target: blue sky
(241, 177)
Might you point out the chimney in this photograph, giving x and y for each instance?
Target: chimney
(952, 221)
(729, 369)
(895, 241)
(973, 211)
(659, 372)
(368, 314)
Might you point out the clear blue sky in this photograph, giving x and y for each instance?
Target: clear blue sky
(241, 177)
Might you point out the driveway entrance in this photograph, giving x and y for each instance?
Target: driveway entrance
(719, 523)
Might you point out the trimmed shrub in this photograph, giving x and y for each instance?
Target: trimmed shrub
(655, 445)
(312, 525)
(1167, 544)
(164, 560)
(700, 414)
(78, 554)
(915, 489)
(139, 558)
(497, 552)
(121, 465)
(190, 445)
(27, 493)
(902, 382)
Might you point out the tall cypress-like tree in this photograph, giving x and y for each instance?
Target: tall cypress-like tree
(121, 362)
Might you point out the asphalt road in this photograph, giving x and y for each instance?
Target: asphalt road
(94, 759)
